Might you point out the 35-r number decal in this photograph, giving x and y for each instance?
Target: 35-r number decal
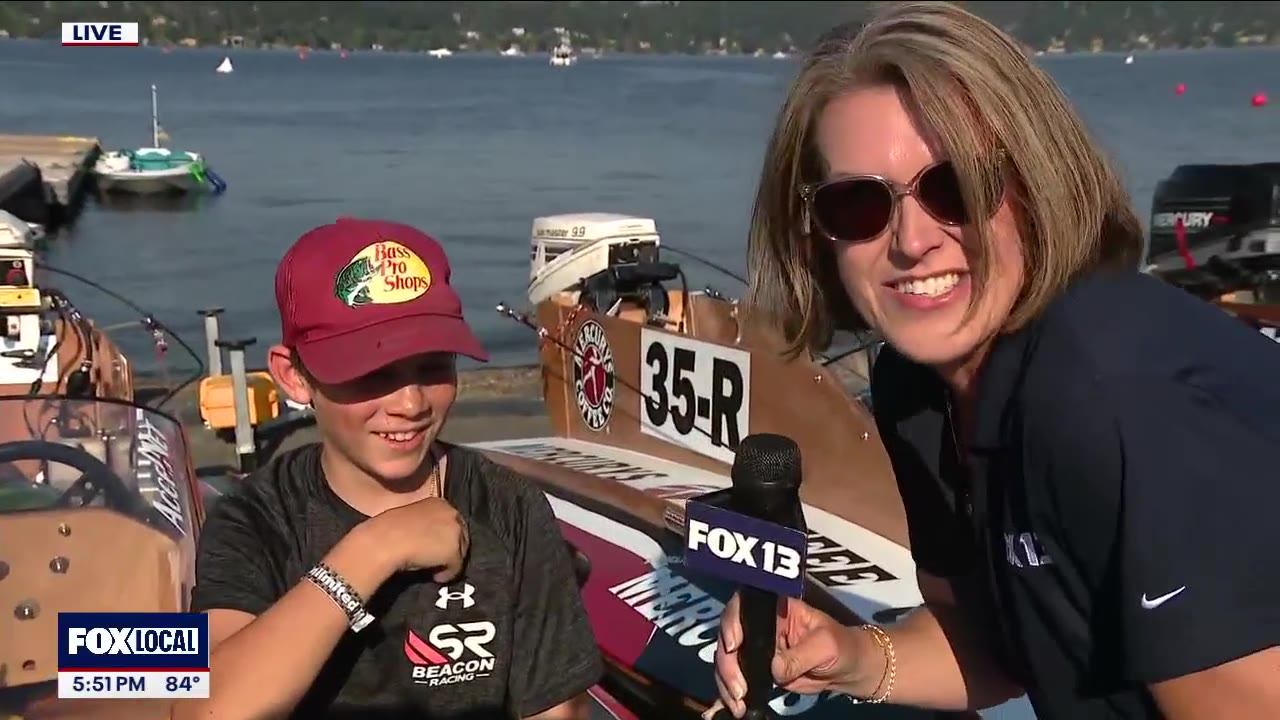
(695, 394)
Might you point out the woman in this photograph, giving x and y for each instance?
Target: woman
(1086, 455)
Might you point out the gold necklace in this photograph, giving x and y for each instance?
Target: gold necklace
(434, 480)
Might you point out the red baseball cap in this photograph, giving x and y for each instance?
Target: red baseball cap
(358, 295)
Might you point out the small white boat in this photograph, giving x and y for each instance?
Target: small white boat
(563, 56)
(225, 66)
(149, 171)
(154, 170)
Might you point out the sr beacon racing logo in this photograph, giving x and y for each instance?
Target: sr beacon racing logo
(451, 654)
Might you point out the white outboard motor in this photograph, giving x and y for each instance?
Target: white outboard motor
(28, 345)
(24, 342)
(567, 249)
(19, 299)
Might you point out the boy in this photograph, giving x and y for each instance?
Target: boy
(382, 573)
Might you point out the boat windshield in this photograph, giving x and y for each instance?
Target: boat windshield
(850, 359)
(57, 452)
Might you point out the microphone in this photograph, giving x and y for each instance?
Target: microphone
(754, 535)
(766, 485)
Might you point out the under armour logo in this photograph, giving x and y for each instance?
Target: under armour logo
(466, 595)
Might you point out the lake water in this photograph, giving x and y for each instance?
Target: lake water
(471, 149)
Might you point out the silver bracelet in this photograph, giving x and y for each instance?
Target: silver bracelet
(342, 594)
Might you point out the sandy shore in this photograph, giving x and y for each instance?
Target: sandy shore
(493, 404)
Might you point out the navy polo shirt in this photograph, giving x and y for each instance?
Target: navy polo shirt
(1114, 523)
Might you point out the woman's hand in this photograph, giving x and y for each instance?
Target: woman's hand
(813, 652)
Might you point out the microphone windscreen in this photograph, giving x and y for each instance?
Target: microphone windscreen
(767, 461)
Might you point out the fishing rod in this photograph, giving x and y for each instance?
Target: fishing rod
(545, 334)
(158, 331)
(864, 341)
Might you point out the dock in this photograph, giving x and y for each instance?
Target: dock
(64, 163)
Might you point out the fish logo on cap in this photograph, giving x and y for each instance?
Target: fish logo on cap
(383, 273)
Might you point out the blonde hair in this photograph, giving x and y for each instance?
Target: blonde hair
(976, 96)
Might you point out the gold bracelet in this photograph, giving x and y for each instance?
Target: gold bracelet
(885, 687)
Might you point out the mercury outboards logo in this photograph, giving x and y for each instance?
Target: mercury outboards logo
(1190, 220)
(593, 374)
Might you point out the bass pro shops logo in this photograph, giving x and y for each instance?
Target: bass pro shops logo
(384, 273)
(593, 375)
(451, 653)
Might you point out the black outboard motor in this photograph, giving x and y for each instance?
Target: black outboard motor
(1215, 229)
(635, 275)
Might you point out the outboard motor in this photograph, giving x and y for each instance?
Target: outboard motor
(21, 303)
(607, 258)
(1215, 229)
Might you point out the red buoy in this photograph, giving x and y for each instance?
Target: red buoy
(1259, 99)
(1181, 88)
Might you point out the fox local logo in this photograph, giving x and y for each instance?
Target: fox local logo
(133, 641)
(99, 34)
(169, 641)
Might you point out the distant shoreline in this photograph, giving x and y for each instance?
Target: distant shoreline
(596, 54)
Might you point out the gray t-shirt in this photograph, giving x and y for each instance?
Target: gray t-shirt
(510, 638)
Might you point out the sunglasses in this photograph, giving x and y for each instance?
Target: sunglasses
(857, 208)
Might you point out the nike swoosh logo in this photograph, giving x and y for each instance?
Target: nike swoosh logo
(1154, 603)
